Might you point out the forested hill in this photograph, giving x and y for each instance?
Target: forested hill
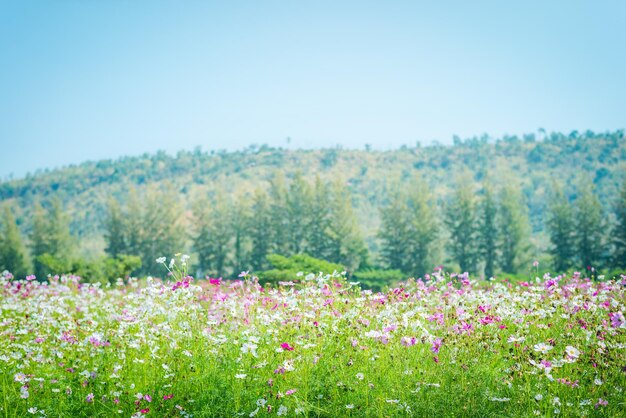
(534, 163)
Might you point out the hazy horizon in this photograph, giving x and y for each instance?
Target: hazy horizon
(84, 81)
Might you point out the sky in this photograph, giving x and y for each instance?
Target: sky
(88, 80)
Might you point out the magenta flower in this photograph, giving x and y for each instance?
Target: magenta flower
(286, 346)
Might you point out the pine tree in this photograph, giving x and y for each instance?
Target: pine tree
(514, 230)
(317, 231)
(260, 230)
(395, 233)
(279, 231)
(115, 230)
(213, 234)
(239, 226)
(12, 250)
(488, 231)
(424, 230)
(619, 232)
(162, 232)
(560, 226)
(589, 228)
(298, 213)
(461, 222)
(345, 244)
(51, 242)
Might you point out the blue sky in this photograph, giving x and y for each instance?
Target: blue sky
(85, 80)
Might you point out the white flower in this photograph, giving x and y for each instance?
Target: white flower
(161, 260)
(598, 382)
(261, 402)
(350, 406)
(538, 397)
(282, 410)
(494, 399)
(542, 348)
(241, 376)
(33, 410)
(360, 376)
(572, 352)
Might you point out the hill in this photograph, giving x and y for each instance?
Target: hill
(531, 163)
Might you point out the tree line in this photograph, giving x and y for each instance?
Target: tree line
(482, 230)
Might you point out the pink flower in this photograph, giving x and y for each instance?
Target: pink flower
(290, 392)
(286, 346)
(408, 341)
(148, 398)
(215, 282)
(617, 319)
(601, 402)
(436, 345)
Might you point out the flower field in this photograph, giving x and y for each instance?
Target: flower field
(318, 346)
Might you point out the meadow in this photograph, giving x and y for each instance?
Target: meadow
(318, 346)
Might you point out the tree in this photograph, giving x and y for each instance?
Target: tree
(298, 214)
(148, 227)
(260, 230)
(161, 226)
(51, 242)
(619, 232)
(12, 250)
(488, 231)
(424, 229)
(115, 229)
(514, 230)
(560, 226)
(239, 218)
(345, 243)
(213, 234)
(395, 232)
(319, 221)
(589, 227)
(278, 233)
(461, 222)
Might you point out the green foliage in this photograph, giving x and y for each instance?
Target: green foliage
(51, 243)
(13, 255)
(589, 227)
(377, 279)
(619, 234)
(148, 227)
(356, 224)
(560, 224)
(213, 234)
(287, 268)
(488, 231)
(460, 217)
(514, 230)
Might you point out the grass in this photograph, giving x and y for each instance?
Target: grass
(319, 348)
